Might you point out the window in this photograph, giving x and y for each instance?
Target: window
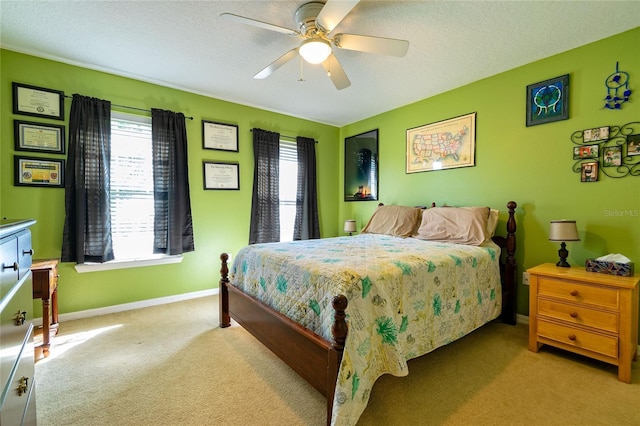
(288, 188)
(132, 208)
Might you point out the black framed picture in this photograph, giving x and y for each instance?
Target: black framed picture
(219, 136)
(220, 175)
(361, 167)
(36, 171)
(38, 101)
(548, 101)
(586, 151)
(41, 137)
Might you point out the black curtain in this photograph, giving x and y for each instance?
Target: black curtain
(265, 203)
(87, 225)
(173, 228)
(306, 225)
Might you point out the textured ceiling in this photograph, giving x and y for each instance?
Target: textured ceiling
(186, 45)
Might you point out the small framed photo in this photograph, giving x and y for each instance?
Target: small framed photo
(589, 172)
(38, 101)
(612, 156)
(33, 171)
(548, 101)
(633, 145)
(41, 137)
(219, 136)
(218, 175)
(596, 134)
(585, 151)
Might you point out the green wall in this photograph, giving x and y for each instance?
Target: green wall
(530, 165)
(220, 218)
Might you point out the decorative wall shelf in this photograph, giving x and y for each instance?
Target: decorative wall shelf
(618, 155)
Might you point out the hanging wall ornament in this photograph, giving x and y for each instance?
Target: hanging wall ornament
(618, 91)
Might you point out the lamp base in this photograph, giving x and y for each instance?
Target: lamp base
(563, 253)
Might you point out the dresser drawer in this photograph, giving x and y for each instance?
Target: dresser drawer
(579, 315)
(8, 256)
(579, 338)
(13, 334)
(578, 292)
(16, 406)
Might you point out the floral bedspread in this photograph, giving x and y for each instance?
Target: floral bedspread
(407, 297)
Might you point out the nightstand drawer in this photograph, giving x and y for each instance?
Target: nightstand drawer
(574, 314)
(579, 338)
(578, 292)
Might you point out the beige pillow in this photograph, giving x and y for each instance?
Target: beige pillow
(460, 225)
(397, 221)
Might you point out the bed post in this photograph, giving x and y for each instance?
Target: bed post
(223, 297)
(339, 331)
(510, 269)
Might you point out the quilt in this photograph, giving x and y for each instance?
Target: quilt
(406, 297)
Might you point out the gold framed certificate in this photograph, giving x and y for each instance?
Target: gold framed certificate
(219, 136)
(33, 171)
(38, 101)
(30, 136)
(221, 175)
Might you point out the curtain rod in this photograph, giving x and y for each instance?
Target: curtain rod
(128, 107)
(289, 137)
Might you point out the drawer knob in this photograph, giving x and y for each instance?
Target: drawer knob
(572, 337)
(574, 292)
(29, 252)
(23, 385)
(573, 314)
(15, 266)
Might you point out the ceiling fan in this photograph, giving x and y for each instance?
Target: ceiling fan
(315, 21)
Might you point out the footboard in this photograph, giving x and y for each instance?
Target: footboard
(308, 354)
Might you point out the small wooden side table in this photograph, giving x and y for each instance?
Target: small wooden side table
(589, 313)
(45, 287)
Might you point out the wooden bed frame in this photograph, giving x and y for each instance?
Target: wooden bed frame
(311, 356)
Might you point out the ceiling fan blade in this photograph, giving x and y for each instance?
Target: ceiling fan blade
(334, 12)
(371, 44)
(276, 64)
(336, 73)
(259, 24)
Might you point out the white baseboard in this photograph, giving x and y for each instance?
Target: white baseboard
(522, 319)
(128, 306)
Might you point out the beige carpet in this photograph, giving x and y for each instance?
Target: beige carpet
(172, 365)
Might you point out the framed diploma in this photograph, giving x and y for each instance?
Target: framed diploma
(219, 136)
(38, 101)
(40, 137)
(221, 175)
(32, 171)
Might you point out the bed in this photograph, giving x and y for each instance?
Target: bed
(343, 311)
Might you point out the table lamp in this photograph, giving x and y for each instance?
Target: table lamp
(350, 226)
(563, 230)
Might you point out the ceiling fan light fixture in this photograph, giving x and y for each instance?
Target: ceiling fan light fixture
(315, 50)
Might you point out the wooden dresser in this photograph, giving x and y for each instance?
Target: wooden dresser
(589, 313)
(18, 397)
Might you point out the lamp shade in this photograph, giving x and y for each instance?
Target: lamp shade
(349, 225)
(563, 230)
(315, 50)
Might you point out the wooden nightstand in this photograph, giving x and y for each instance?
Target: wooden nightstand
(45, 287)
(588, 313)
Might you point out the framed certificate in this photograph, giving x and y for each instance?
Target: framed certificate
(32, 171)
(38, 101)
(219, 136)
(221, 175)
(29, 136)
